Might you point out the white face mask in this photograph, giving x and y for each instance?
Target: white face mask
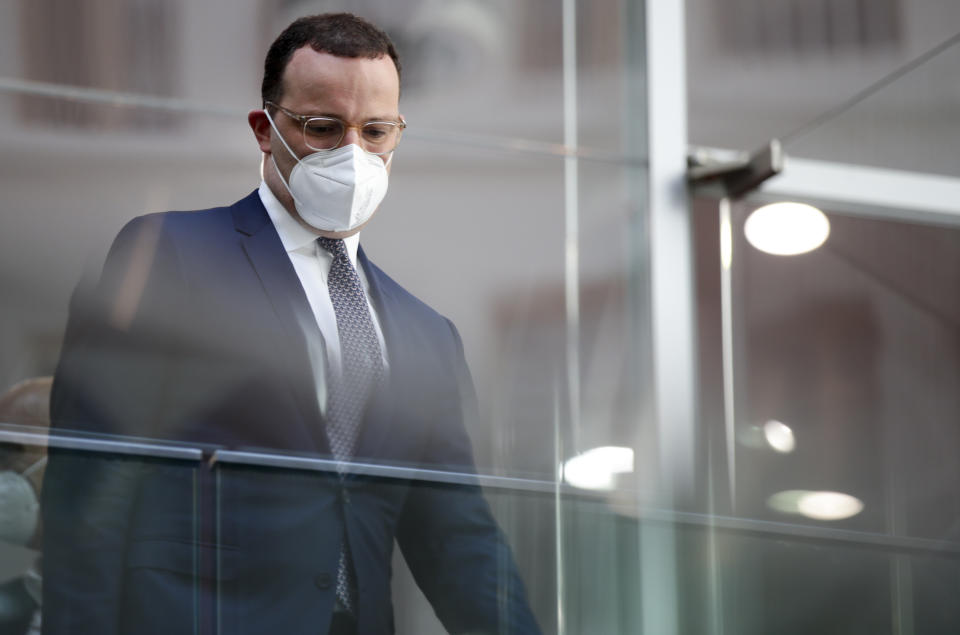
(335, 190)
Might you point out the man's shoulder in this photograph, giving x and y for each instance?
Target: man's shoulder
(201, 231)
(191, 221)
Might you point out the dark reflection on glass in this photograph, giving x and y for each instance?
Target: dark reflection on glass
(24, 409)
(125, 545)
(280, 529)
(933, 600)
(792, 587)
(146, 545)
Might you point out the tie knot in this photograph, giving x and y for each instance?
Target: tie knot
(335, 246)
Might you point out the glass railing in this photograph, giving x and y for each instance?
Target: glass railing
(205, 538)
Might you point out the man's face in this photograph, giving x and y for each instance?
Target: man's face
(355, 90)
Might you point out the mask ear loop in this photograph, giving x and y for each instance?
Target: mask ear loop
(273, 158)
(280, 136)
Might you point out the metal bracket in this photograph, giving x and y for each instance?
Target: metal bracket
(709, 176)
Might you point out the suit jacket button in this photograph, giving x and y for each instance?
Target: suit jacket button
(345, 496)
(323, 581)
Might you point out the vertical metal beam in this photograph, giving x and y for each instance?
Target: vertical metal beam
(726, 328)
(558, 503)
(671, 305)
(571, 196)
(671, 247)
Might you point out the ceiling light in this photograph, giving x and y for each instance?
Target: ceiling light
(787, 229)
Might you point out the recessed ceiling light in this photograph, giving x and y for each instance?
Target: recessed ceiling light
(787, 229)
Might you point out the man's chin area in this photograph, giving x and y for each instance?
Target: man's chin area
(324, 232)
(345, 234)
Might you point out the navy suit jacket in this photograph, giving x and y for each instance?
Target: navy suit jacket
(199, 332)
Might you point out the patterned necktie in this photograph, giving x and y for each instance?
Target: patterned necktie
(362, 367)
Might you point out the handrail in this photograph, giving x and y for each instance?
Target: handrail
(22, 435)
(618, 502)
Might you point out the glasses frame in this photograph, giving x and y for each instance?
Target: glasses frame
(303, 120)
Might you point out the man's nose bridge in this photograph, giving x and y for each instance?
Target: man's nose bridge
(351, 134)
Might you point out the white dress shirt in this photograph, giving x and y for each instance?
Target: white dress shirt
(312, 264)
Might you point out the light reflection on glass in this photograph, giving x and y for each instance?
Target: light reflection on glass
(816, 505)
(726, 243)
(779, 436)
(829, 505)
(597, 469)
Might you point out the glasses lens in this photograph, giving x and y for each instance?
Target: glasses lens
(380, 136)
(326, 133)
(322, 133)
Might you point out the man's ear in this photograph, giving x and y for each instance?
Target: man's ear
(261, 129)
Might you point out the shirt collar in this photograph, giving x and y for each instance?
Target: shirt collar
(293, 235)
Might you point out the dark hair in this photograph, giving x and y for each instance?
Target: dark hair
(340, 34)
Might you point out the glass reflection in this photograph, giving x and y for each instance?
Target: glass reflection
(598, 468)
(779, 436)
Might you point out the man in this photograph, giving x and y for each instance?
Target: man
(263, 325)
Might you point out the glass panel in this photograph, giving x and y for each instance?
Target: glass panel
(537, 255)
(845, 366)
(844, 362)
(122, 526)
(297, 553)
(613, 331)
(858, 357)
(787, 586)
(610, 77)
(599, 582)
(933, 609)
(493, 263)
(908, 123)
(763, 69)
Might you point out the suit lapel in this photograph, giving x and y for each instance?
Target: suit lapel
(377, 433)
(304, 343)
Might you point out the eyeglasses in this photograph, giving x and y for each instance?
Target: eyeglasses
(326, 133)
